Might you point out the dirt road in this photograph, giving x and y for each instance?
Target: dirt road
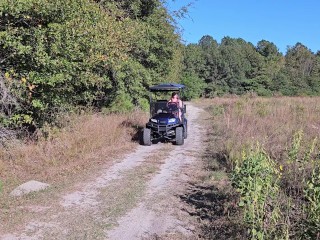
(135, 198)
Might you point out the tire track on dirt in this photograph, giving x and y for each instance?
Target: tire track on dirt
(81, 200)
(154, 216)
(88, 196)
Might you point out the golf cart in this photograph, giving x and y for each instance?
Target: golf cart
(164, 123)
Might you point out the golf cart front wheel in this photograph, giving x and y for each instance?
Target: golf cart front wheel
(146, 137)
(179, 136)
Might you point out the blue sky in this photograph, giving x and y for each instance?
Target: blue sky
(282, 22)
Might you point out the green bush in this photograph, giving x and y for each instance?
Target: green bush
(312, 209)
(256, 178)
(280, 201)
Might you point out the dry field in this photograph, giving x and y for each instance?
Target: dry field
(244, 121)
(273, 144)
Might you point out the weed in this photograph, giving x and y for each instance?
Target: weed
(256, 178)
(312, 209)
(217, 110)
(262, 109)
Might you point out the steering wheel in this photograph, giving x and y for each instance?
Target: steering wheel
(172, 106)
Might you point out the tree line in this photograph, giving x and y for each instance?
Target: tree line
(62, 55)
(236, 67)
(65, 55)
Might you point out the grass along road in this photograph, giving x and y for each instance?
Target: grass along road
(134, 198)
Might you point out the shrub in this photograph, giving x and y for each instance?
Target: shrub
(256, 178)
(312, 193)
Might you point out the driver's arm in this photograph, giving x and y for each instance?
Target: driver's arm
(180, 104)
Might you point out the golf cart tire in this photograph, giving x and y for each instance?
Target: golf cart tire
(185, 132)
(146, 137)
(179, 136)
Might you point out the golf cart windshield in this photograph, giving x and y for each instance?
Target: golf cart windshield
(160, 94)
(162, 106)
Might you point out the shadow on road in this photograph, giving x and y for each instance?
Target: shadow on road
(216, 212)
(214, 203)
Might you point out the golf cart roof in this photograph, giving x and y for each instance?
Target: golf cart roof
(167, 87)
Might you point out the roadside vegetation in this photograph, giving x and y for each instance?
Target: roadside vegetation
(60, 155)
(270, 149)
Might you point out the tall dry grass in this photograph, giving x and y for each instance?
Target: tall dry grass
(244, 121)
(85, 141)
(288, 130)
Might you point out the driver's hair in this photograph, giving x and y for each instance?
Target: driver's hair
(174, 94)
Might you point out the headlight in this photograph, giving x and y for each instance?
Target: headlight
(154, 120)
(171, 120)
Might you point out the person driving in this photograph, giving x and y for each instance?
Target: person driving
(175, 100)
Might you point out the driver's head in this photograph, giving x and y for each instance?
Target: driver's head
(174, 95)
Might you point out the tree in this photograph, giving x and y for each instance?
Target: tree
(267, 49)
(236, 66)
(194, 59)
(207, 42)
(300, 62)
(194, 86)
(242, 63)
(65, 54)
